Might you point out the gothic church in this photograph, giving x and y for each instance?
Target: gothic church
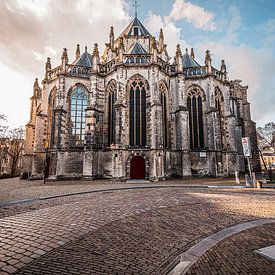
(135, 113)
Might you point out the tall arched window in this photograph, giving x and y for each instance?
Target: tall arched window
(194, 104)
(51, 105)
(137, 112)
(78, 110)
(163, 101)
(111, 90)
(220, 116)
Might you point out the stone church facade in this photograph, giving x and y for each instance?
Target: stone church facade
(134, 114)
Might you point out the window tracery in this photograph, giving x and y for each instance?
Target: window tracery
(137, 111)
(163, 101)
(79, 102)
(195, 98)
(112, 96)
(219, 104)
(50, 116)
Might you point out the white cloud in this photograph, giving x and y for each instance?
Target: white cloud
(196, 15)
(172, 34)
(32, 30)
(255, 67)
(234, 24)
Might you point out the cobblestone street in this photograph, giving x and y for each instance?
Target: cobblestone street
(135, 231)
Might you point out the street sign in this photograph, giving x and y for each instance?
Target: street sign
(246, 147)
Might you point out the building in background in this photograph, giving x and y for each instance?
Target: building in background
(268, 157)
(11, 156)
(135, 114)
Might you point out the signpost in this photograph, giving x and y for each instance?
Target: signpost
(247, 154)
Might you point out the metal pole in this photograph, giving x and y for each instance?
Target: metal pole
(249, 169)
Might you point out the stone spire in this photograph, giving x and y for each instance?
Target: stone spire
(36, 89)
(95, 56)
(178, 51)
(120, 50)
(223, 66)
(223, 70)
(112, 38)
(35, 84)
(161, 40)
(47, 67)
(192, 53)
(154, 50)
(179, 58)
(77, 52)
(208, 61)
(64, 59)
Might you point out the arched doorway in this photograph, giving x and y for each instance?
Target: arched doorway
(137, 168)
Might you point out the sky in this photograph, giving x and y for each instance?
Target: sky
(241, 32)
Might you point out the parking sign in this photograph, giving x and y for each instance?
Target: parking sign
(246, 147)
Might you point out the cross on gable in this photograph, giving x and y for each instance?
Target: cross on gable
(136, 6)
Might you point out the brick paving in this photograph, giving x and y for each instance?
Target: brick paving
(236, 254)
(15, 189)
(123, 232)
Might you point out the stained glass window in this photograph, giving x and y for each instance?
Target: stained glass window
(220, 116)
(194, 104)
(164, 117)
(78, 110)
(111, 113)
(137, 113)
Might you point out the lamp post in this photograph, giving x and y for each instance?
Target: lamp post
(112, 147)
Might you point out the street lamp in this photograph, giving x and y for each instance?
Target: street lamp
(47, 161)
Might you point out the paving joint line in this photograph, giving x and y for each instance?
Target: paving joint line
(192, 255)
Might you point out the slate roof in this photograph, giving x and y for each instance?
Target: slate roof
(137, 49)
(189, 62)
(85, 59)
(142, 31)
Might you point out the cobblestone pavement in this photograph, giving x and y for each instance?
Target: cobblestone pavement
(236, 254)
(138, 231)
(15, 189)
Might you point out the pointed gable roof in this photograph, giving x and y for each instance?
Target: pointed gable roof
(142, 31)
(137, 49)
(189, 62)
(85, 59)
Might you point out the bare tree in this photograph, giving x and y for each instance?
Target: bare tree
(266, 136)
(15, 148)
(11, 145)
(3, 138)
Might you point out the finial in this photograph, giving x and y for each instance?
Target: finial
(112, 38)
(178, 50)
(136, 6)
(77, 52)
(192, 53)
(48, 64)
(95, 51)
(223, 66)
(161, 40)
(208, 61)
(35, 84)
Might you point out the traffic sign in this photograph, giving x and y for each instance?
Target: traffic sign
(246, 147)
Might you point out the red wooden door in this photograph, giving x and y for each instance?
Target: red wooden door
(137, 170)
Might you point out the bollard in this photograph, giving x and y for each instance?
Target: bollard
(254, 179)
(247, 181)
(237, 176)
(259, 184)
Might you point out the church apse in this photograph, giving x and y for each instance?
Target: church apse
(181, 117)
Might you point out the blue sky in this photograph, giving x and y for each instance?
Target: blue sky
(241, 32)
